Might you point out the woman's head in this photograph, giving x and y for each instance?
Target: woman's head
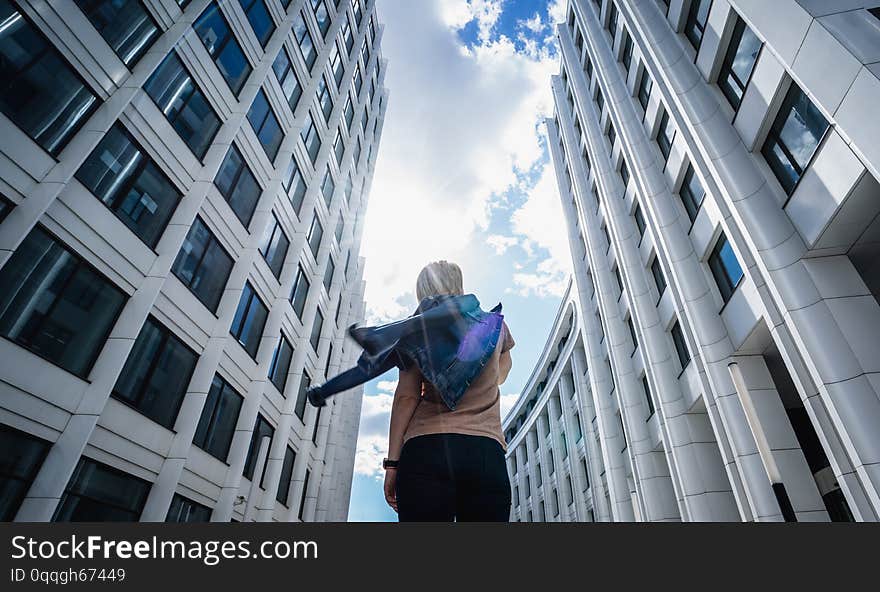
(437, 278)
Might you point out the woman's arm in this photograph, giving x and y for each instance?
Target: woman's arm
(406, 398)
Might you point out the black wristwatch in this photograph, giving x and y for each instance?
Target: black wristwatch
(389, 464)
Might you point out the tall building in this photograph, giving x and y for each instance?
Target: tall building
(183, 191)
(718, 163)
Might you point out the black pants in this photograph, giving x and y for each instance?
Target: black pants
(446, 477)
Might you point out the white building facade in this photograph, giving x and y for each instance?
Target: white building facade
(182, 192)
(718, 163)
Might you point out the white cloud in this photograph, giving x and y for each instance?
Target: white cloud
(372, 444)
(462, 124)
(507, 402)
(501, 243)
(534, 24)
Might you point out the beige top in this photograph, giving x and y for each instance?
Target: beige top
(478, 413)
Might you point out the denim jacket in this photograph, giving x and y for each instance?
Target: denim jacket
(450, 338)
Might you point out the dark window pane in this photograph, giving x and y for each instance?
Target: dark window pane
(691, 193)
(698, 15)
(304, 40)
(128, 182)
(238, 186)
(665, 135)
(39, 91)
(287, 79)
(328, 186)
(6, 206)
(328, 274)
(258, 16)
(249, 321)
(311, 139)
(156, 374)
(301, 399)
(286, 476)
(175, 93)
(317, 326)
(216, 35)
(265, 125)
(22, 457)
(645, 84)
(640, 220)
(684, 357)
(322, 16)
(324, 98)
(659, 279)
(738, 62)
(261, 429)
(299, 293)
(725, 268)
(274, 247)
(280, 365)
(203, 265)
(648, 398)
(294, 185)
(186, 510)
(125, 25)
(316, 233)
(305, 490)
(54, 304)
(219, 416)
(99, 493)
(794, 138)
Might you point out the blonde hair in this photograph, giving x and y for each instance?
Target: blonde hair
(439, 277)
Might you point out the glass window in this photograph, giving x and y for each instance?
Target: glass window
(287, 79)
(600, 101)
(294, 185)
(645, 85)
(612, 21)
(340, 226)
(265, 125)
(349, 113)
(213, 30)
(238, 186)
(6, 206)
(612, 135)
(317, 327)
(632, 334)
(328, 186)
(183, 509)
(128, 182)
(203, 265)
(627, 52)
(316, 233)
(739, 61)
(347, 34)
(665, 135)
(324, 98)
(311, 139)
(99, 493)
(358, 150)
(659, 279)
(18, 466)
(125, 25)
(339, 147)
(322, 16)
(280, 365)
(258, 16)
(301, 399)
(648, 399)
(588, 68)
(697, 17)
(640, 220)
(358, 80)
(250, 320)
(691, 193)
(358, 11)
(217, 422)
(328, 274)
(56, 305)
(338, 309)
(794, 138)
(304, 41)
(156, 374)
(286, 476)
(262, 429)
(302, 500)
(624, 171)
(299, 292)
(725, 268)
(349, 189)
(337, 65)
(273, 247)
(185, 106)
(39, 91)
(684, 357)
(365, 53)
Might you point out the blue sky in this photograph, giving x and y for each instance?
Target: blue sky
(462, 174)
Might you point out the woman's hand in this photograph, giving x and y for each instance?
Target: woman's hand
(391, 488)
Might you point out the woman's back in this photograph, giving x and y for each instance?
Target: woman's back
(478, 413)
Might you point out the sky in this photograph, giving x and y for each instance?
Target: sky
(462, 174)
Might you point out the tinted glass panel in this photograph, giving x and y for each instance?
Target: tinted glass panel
(304, 40)
(249, 321)
(128, 182)
(219, 416)
(738, 62)
(39, 91)
(299, 293)
(316, 233)
(317, 326)
(261, 429)
(238, 186)
(691, 193)
(183, 104)
(280, 365)
(287, 78)
(125, 25)
(274, 247)
(301, 399)
(294, 185)
(99, 493)
(725, 268)
(216, 35)
(265, 125)
(203, 265)
(156, 374)
(55, 305)
(186, 510)
(22, 457)
(286, 476)
(258, 16)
